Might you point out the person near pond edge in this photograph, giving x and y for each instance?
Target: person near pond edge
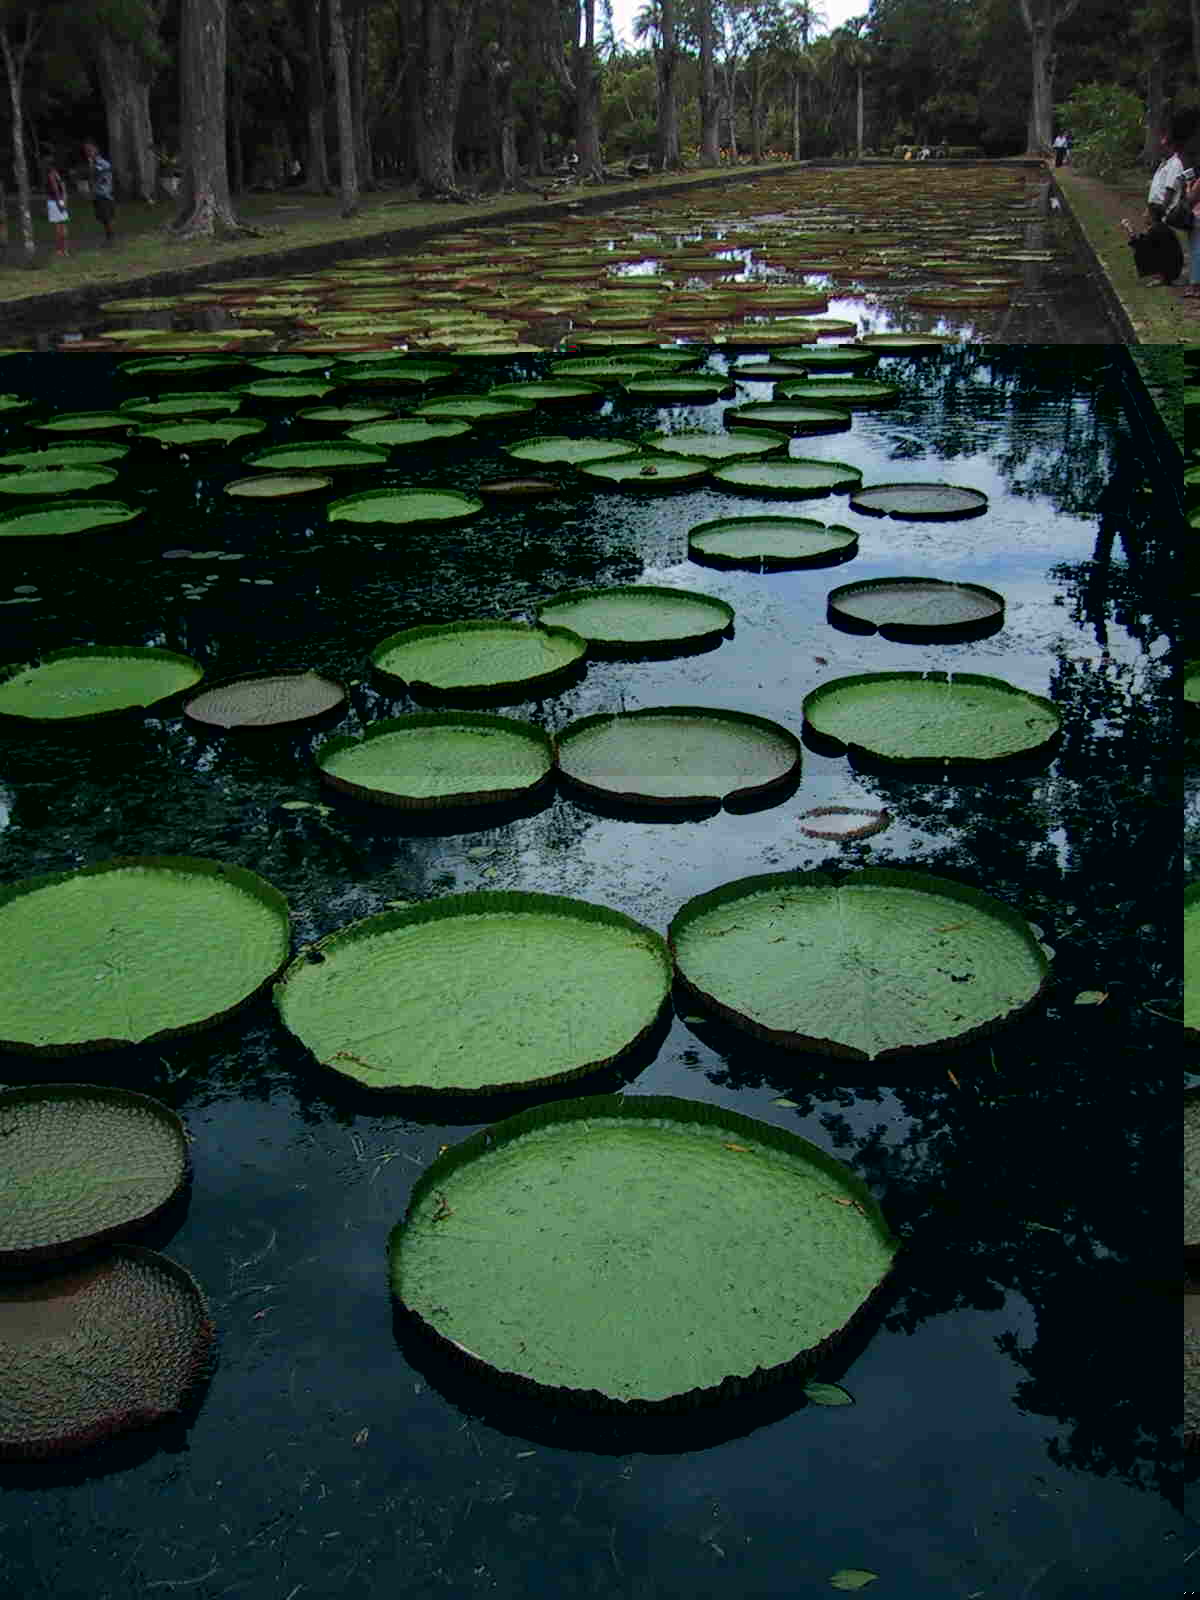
(56, 207)
(1060, 148)
(101, 174)
(1156, 251)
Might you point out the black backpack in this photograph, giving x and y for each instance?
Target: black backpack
(1177, 208)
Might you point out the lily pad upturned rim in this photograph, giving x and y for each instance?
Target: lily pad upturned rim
(566, 450)
(1191, 920)
(769, 477)
(57, 1236)
(747, 444)
(425, 723)
(277, 485)
(741, 794)
(843, 546)
(645, 472)
(83, 516)
(92, 652)
(241, 877)
(901, 629)
(733, 1138)
(479, 904)
(871, 499)
(406, 507)
(889, 877)
(423, 687)
(834, 686)
(328, 697)
(722, 616)
(877, 821)
(191, 1360)
(308, 457)
(64, 480)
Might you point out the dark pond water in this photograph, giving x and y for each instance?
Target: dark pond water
(1013, 1432)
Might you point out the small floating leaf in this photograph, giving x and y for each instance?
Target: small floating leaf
(827, 1394)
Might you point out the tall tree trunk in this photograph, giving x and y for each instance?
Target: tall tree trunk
(145, 153)
(710, 106)
(205, 209)
(444, 31)
(318, 179)
(666, 60)
(859, 128)
(499, 65)
(587, 96)
(15, 57)
(347, 168)
(359, 31)
(1041, 19)
(116, 89)
(796, 117)
(756, 111)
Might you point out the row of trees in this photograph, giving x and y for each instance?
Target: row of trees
(446, 92)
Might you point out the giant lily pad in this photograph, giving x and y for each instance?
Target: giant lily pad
(133, 949)
(637, 616)
(475, 408)
(402, 431)
(285, 389)
(56, 480)
(689, 1253)
(202, 433)
(958, 718)
(880, 963)
(185, 403)
(849, 392)
(436, 758)
(678, 756)
(477, 993)
(478, 657)
(788, 417)
(277, 485)
(779, 542)
(1191, 962)
(919, 502)
(916, 609)
(57, 519)
(67, 454)
(86, 1354)
(94, 681)
(317, 457)
(795, 478)
(82, 1164)
(405, 507)
(744, 445)
(84, 422)
(685, 388)
(550, 391)
(269, 700)
(651, 472)
(570, 452)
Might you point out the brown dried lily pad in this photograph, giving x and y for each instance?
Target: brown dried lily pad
(272, 700)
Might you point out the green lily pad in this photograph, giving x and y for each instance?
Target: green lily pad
(317, 457)
(958, 718)
(689, 1254)
(557, 448)
(186, 403)
(744, 445)
(277, 485)
(89, 1353)
(778, 542)
(56, 480)
(334, 416)
(83, 1164)
(477, 993)
(267, 700)
(850, 392)
(678, 755)
(202, 433)
(876, 964)
(14, 402)
(84, 422)
(405, 507)
(400, 431)
(285, 389)
(287, 365)
(920, 502)
(788, 417)
(685, 388)
(832, 358)
(796, 478)
(65, 455)
(907, 344)
(131, 950)
(57, 519)
(433, 759)
(478, 657)
(637, 616)
(649, 471)
(474, 408)
(606, 370)
(94, 681)
(1191, 683)
(915, 609)
(1191, 962)
(550, 391)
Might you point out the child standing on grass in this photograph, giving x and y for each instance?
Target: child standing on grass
(56, 208)
(102, 188)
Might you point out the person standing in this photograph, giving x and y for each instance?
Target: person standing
(101, 174)
(56, 208)
(1060, 149)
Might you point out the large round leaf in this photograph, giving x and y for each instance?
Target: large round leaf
(269, 700)
(401, 431)
(633, 616)
(475, 408)
(880, 963)
(184, 403)
(90, 1353)
(635, 1253)
(56, 480)
(849, 392)
(958, 718)
(83, 1163)
(678, 755)
(770, 542)
(317, 457)
(795, 478)
(476, 657)
(916, 609)
(744, 445)
(94, 681)
(788, 417)
(650, 472)
(199, 433)
(133, 949)
(477, 993)
(1191, 961)
(571, 452)
(57, 519)
(433, 759)
(67, 454)
(405, 507)
(920, 502)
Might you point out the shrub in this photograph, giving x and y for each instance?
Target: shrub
(1107, 128)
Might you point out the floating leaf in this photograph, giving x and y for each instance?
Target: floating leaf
(827, 1394)
(852, 1578)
